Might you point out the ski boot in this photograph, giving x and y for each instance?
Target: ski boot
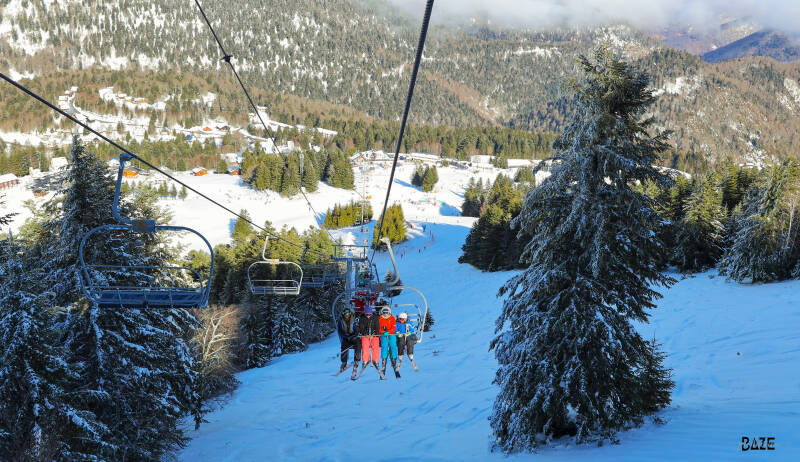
(396, 368)
(380, 372)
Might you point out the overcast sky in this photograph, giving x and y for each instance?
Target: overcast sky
(649, 14)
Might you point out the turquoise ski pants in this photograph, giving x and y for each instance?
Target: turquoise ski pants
(388, 342)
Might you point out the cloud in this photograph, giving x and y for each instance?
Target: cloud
(649, 14)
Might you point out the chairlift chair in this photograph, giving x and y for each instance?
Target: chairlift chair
(288, 286)
(99, 282)
(313, 275)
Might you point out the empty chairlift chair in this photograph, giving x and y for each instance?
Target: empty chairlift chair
(288, 276)
(141, 286)
(313, 275)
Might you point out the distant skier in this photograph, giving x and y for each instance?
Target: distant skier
(406, 338)
(369, 329)
(348, 338)
(388, 339)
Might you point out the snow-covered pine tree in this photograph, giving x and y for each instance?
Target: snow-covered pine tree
(570, 360)
(701, 232)
(287, 334)
(766, 243)
(41, 417)
(388, 291)
(258, 325)
(135, 366)
(84, 204)
(429, 321)
(5, 219)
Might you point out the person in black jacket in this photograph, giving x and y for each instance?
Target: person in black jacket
(368, 329)
(347, 328)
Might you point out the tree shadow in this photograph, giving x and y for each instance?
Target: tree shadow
(448, 210)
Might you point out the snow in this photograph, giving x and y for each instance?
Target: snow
(733, 349)
(682, 86)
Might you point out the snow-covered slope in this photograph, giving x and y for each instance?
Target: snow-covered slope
(734, 350)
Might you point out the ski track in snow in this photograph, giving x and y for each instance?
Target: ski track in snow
(293, 409)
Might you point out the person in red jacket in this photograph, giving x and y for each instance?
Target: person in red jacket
(388, 339)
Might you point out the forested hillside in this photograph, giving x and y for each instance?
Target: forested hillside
(308, 59)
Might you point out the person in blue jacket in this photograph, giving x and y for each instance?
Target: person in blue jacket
(406, 334)
(347, 329)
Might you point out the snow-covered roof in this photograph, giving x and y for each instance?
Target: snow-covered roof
(8, 177)
(58, 162)
(512, 163)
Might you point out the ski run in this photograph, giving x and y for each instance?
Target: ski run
(733, 349)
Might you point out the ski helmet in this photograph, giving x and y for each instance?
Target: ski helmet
(403, 315)
(347, 312)
(367, 309)
(386, 310)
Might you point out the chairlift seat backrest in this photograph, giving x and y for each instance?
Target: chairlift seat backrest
(288, 286)
(94, 278)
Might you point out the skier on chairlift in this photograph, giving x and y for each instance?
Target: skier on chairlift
(388, 340)
(348, 338)
(406, 338)
(369, 329)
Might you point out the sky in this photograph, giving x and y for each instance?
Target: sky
(647, 14)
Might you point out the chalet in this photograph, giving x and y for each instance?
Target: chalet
(9, 180)
(39, 192)
(234, 170)
(130, 172)
(199, 171)
(206, 129)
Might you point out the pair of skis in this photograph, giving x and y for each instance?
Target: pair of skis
(381, 373)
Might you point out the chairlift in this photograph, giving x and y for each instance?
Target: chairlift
(291, 283)
(141, 286)
(313, 275)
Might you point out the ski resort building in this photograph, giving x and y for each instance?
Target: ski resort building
(199, 171)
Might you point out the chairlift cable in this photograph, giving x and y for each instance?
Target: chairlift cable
(227, 58)
(420, 45)
(140, 159)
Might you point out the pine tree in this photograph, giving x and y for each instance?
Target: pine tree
(6, 219)
(388, 289)
(429, 321)
(221, 167)
(701, 233)
(242, 230)
(569, 357)
(287, 337)
(766, 243)
(393, 227)
(135, 366)
(655, 380)
(86, 204)
(41, 417)
(429, 179)
(525, 175)
(258, 327)
(310, 175)
(184, 193)
(419, 174)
